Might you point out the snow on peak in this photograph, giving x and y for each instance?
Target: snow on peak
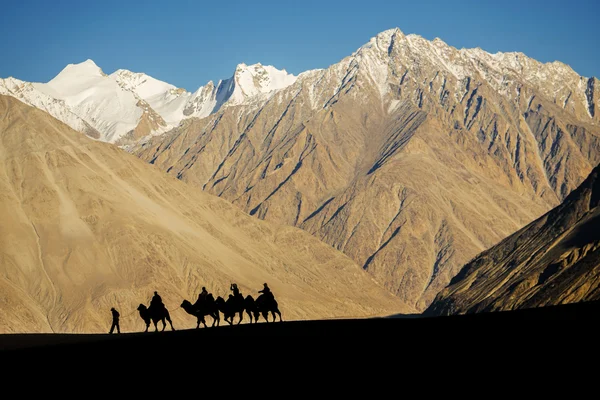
(437, 42)
(250, 80)
(97, 98)
(388, 34)
(31, 94)
(86, 68)
(143, 85)
(383, 42)
(75, 77)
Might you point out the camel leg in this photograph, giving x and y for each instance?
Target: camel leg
(198, 324)
(279, 313)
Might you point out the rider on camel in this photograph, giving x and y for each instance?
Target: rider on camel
(266, 291)
(235, 290)
(156, 302)
(202, 297)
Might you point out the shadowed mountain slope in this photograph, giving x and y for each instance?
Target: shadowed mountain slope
(553, 260)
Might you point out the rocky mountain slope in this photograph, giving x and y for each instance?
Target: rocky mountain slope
(87, 226)
(410, 156)
(554, 260)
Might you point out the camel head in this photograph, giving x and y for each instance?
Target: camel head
(185, 304)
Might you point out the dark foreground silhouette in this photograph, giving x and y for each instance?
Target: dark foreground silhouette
(155, 314)
(235, 306)
(400, 332)
(202, 309)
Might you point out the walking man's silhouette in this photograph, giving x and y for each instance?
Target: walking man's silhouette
(115, 323)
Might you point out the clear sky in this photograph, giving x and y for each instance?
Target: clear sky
(188, 43)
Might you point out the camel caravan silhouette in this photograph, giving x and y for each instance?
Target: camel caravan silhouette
(236, 304)
(206, 305)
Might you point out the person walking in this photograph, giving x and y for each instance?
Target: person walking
(115, 323)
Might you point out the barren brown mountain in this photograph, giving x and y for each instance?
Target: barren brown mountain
(554, 260)
(87, 226)
(410, 156)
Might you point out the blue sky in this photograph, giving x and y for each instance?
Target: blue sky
(188, 43)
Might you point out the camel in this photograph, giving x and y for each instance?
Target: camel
(254, 308)
(200, 310)
(251, 308)
(265, 304)
(155, 315)
(231, 307)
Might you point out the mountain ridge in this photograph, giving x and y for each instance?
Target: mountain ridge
(174, 104)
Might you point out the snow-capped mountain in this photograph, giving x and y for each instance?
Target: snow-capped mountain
(125, 106)
(247, 82)
(29, 93)
(97, 98)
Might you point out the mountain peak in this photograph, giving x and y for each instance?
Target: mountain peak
(257, 78)
(389, 33)
(85, 69)
(253, 67)
(89, 62)
(383, 42)
(142, 84)
(439, 42)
